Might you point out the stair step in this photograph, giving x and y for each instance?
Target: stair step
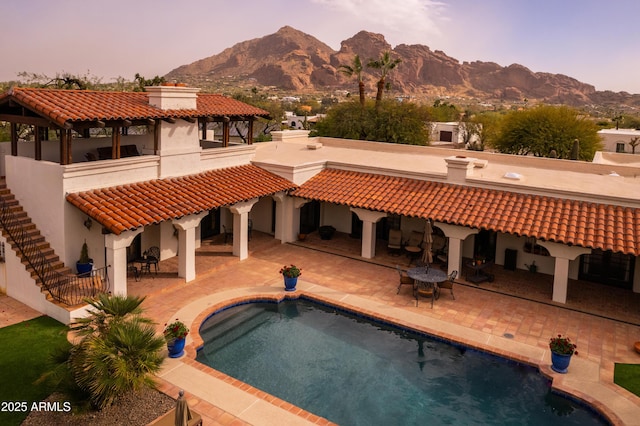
(38, 244)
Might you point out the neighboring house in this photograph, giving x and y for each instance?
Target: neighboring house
(574, 219)
(617, 140)
(450, 133)
(300, 122)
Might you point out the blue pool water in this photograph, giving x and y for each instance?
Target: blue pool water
(355, 371)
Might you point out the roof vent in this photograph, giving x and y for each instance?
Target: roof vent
(314, 145)
(513, 176)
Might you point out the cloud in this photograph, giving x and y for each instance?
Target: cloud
(402, 21)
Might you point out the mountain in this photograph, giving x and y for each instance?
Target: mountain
(297, 62)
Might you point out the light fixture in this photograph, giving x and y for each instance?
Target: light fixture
(88, 222)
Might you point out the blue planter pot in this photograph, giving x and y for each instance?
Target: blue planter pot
(290, 283)
(176, 348)
(560, 362)
(84, 268)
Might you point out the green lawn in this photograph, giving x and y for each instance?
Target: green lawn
(24, 357)
(627, 376)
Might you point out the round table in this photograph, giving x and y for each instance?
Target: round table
(428, 275)
(423, 274)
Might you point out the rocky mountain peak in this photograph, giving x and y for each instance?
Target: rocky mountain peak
(295, 61)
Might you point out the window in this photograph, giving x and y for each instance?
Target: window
(446, 136)
(620, 147)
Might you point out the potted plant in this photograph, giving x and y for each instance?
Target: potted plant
(326, 232)
(561, 351)
(84, 265)
(290, 274)
(533, 267)
(175, 335)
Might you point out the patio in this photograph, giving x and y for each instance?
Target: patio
(513, 310)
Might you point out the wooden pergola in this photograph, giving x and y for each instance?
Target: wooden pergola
(39, 111)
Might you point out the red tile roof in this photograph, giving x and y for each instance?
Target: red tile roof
(132, 206)
(579, 223)
(62, 106)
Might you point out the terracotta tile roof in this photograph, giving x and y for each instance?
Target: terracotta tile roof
(62, 106)
(132, 206)
(579, 223)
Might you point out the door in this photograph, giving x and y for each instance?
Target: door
(607, 267)
(310, 217)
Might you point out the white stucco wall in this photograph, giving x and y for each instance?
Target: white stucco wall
(337, 216)
(262, 215)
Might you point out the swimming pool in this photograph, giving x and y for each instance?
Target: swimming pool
(355, 371)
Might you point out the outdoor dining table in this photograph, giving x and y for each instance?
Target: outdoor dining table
(423, 274)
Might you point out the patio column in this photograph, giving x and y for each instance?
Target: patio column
(284, 217)
(116, 246)
(240, 227)
(369, 219)
(288, 216)
(562, 254)
(456, 235)
(187, 244)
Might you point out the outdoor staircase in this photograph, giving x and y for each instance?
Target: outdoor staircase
(57, 281)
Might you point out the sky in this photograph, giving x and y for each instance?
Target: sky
(594, 41)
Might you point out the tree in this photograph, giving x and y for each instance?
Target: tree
(540, 130)
(63, 80)
(355, 69)
(384, 65)
(443, 111)
(634, 142)
(390, 121)
(264, 126)
(140, 82)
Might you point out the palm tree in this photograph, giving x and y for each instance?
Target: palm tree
(119, 351)
(355, 69)
(385, 64)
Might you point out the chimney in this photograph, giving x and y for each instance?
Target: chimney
(460, 167)
(172, 97)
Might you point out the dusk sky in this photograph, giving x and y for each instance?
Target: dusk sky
(593, 41)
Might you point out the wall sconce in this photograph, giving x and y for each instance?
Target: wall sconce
(88, 223)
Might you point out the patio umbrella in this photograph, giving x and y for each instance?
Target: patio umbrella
(427, 243)
(183, 413)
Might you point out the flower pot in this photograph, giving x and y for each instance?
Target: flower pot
(326, 232)
(176, 347)
(84, 268)
(560, 362)
(290, 283)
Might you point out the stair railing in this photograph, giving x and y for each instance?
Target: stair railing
(67, 289)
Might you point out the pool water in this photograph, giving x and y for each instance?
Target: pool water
(356, 371)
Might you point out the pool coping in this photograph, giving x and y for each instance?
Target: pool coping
(254, 406)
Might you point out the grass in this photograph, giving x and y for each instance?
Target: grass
(23, 359)
(627, 376)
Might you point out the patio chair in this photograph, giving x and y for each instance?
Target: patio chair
(415, 239)
(153, 257)
(425, 290)
(228, 234)
(414, 245)
(404, 279)
(449, 283)
(394, 245)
